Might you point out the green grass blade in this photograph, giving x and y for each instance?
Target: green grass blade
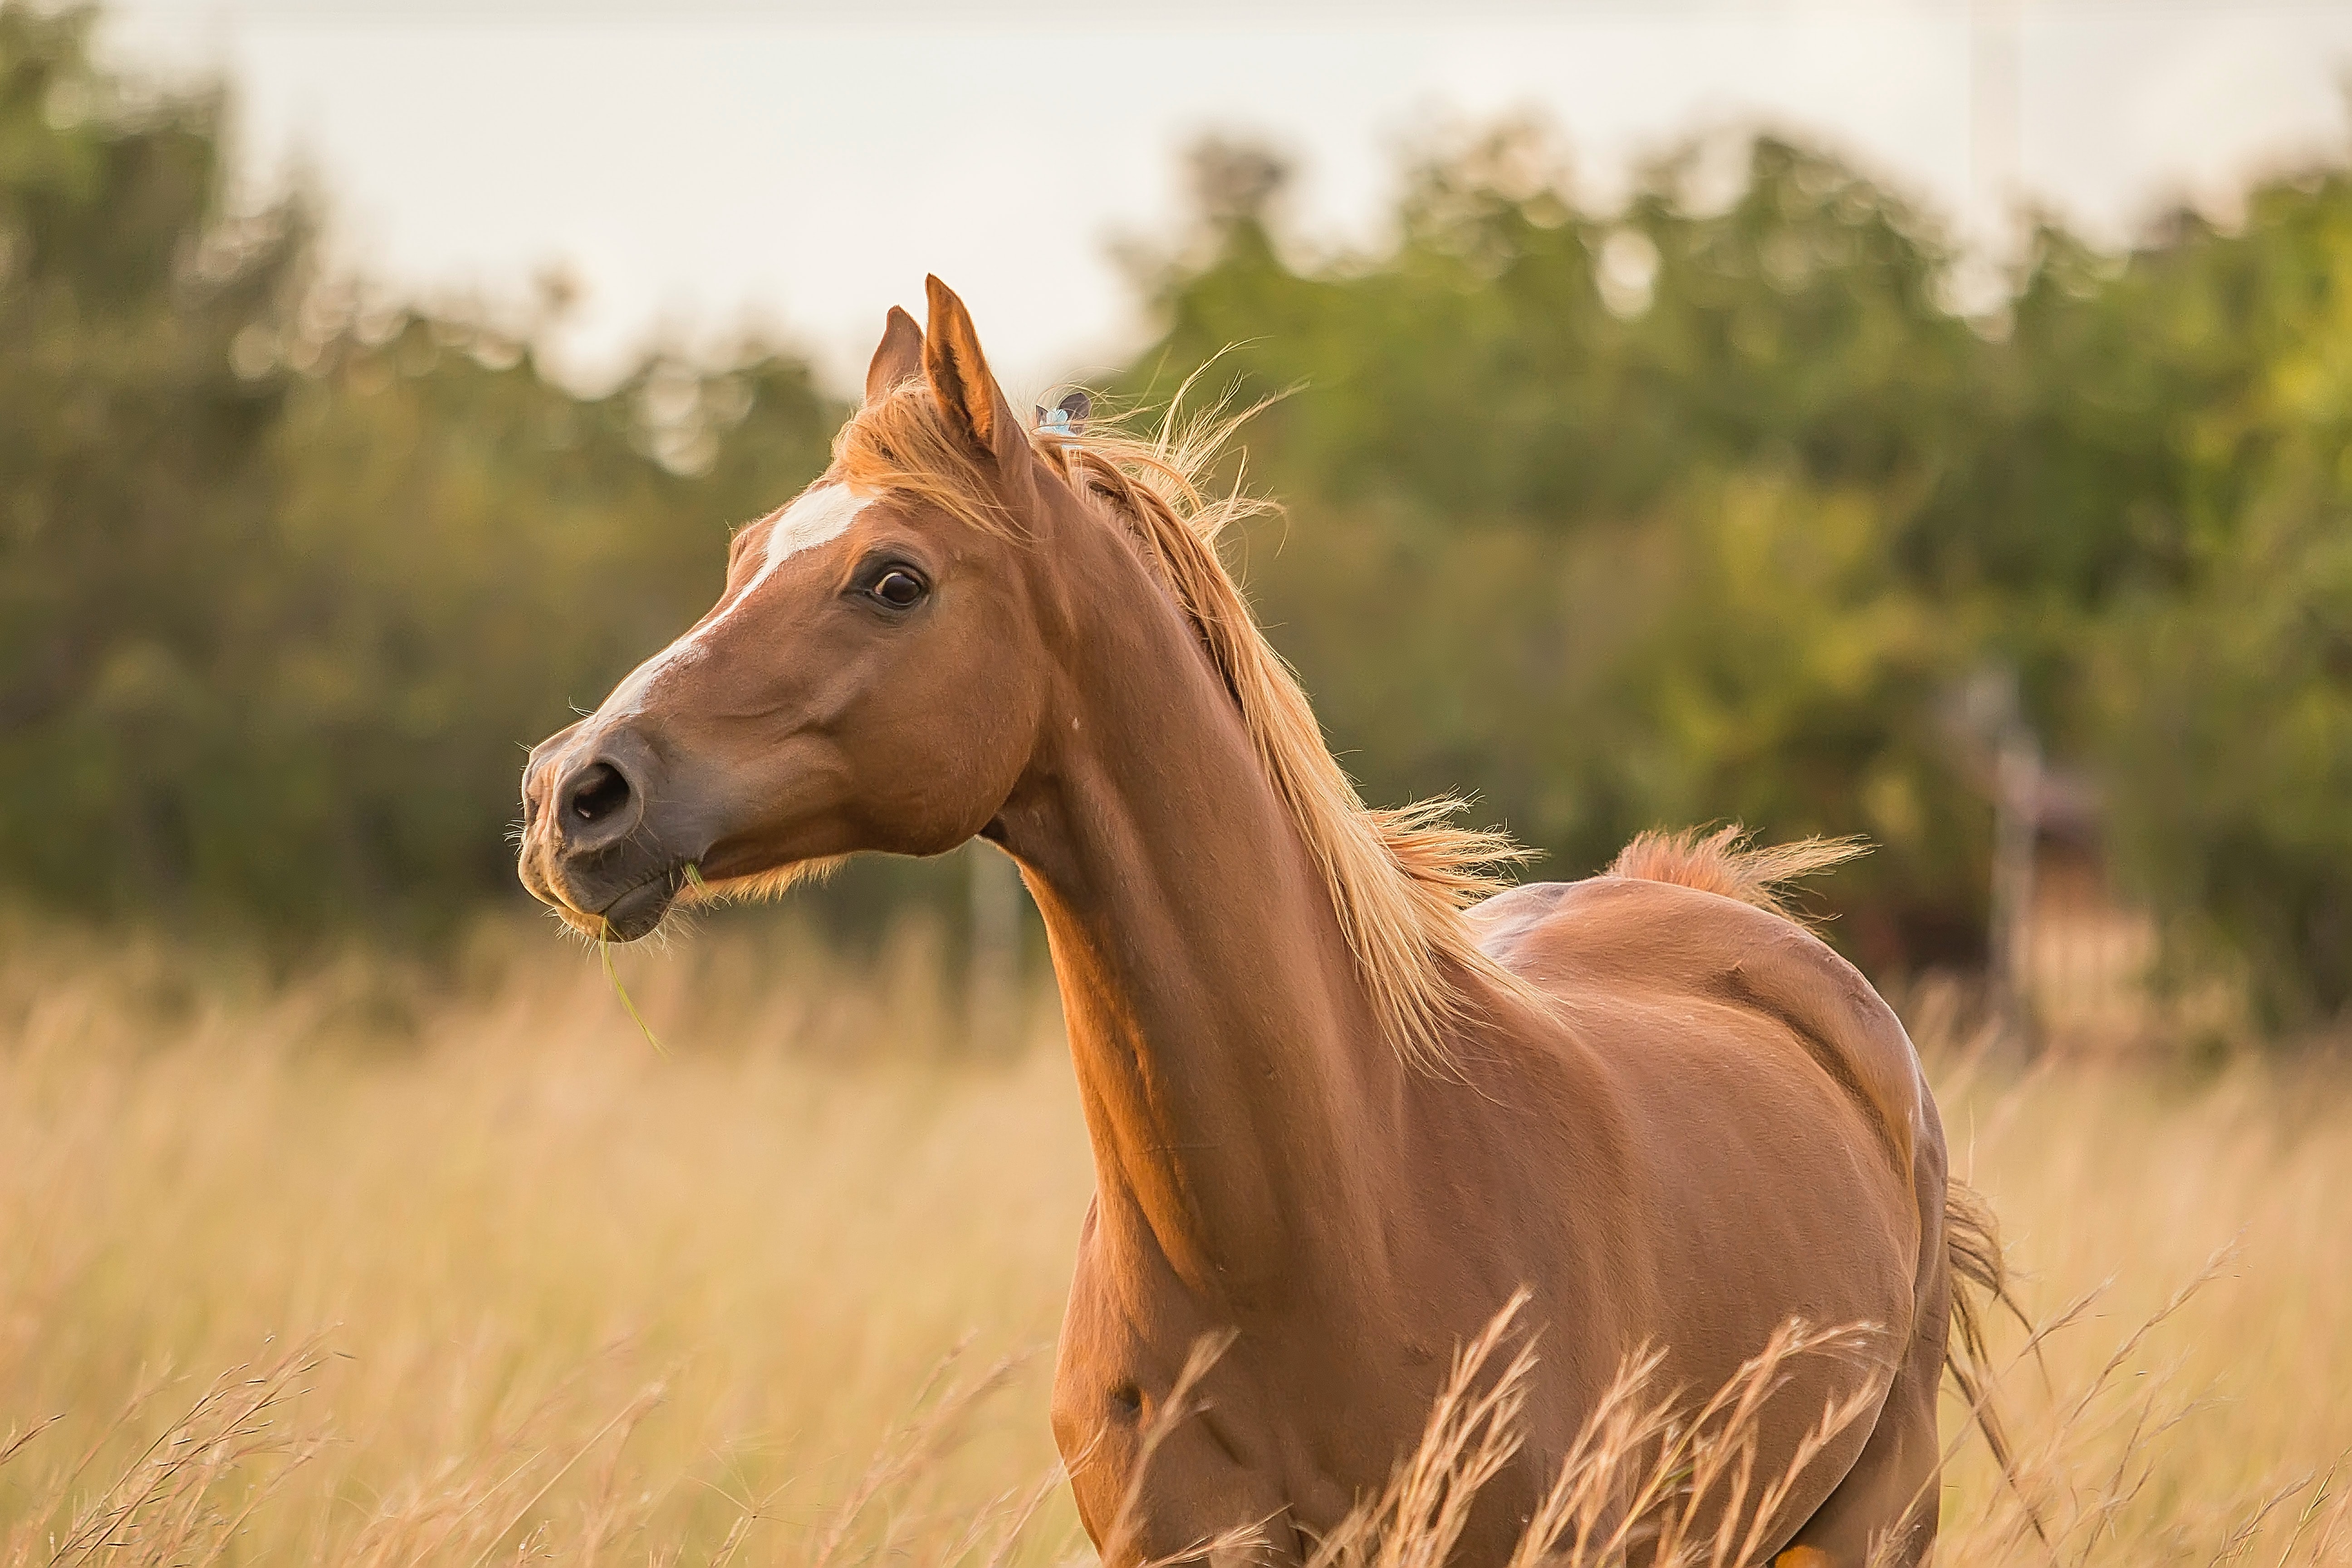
(605, 951)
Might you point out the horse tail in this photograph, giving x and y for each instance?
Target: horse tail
(1724, 862)
(1980, 1275)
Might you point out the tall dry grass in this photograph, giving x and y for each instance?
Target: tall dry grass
(382, 1265)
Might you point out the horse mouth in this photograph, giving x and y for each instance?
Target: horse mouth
(637, 912)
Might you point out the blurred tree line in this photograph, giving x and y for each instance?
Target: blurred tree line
(1716, 505)
(287, 578)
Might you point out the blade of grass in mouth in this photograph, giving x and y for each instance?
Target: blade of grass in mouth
(605, 951)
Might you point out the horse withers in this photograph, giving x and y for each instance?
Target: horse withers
(1346, 1096)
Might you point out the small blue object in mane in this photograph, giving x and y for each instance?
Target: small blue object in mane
(1067, 417)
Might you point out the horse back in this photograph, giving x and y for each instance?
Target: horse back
(1610, 944)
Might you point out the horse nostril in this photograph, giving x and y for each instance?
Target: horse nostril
(597, 791)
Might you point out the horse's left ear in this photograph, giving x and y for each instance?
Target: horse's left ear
(898, 358)
(967, 392)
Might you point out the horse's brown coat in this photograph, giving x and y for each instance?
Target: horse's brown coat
(1684, 1122)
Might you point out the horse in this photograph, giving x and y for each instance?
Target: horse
(1347, 1094)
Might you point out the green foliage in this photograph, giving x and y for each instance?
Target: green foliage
(287, 583)
(1625, 519)
(1717, 508)
(2225, 695)
(1711, 506)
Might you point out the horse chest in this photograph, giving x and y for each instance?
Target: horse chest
(1168, 1416)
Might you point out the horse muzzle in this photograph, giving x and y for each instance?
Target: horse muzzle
(593, 846)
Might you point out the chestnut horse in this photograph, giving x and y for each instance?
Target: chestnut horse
(1339, 1107)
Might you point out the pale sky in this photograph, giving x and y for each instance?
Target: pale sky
(698, 166)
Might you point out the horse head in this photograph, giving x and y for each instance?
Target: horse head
(871, 678)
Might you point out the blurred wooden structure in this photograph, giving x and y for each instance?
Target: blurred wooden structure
(2078, 956)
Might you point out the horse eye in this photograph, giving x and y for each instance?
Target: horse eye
(900, 590)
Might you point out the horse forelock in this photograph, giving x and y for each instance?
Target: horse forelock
(1399, 880)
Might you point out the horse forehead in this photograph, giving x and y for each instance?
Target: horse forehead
(822, 514)
(789, 539)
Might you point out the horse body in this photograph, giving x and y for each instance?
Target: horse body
(1715, 1127)
(1703, 1123)
(1675, 1119)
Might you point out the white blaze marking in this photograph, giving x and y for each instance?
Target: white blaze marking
(820, 517)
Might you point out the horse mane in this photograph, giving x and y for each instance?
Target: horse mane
(1722, 862)
(1399, 879)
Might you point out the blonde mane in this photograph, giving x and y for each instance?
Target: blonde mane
(1725, 862)
(1399, 878)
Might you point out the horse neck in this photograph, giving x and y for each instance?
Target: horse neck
(1237, 1091)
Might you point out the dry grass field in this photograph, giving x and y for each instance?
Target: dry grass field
(366, 1264)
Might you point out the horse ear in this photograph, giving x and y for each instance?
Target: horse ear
(898, 358)
(960, 381)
